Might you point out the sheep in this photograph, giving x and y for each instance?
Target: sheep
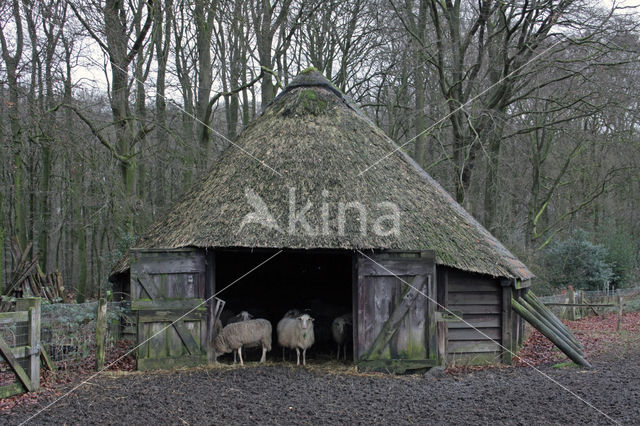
(296, 333)
(342, 330)
(255, 332)
(242, 316)
(291, 313)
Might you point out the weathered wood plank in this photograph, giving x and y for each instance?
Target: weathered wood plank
(473, 284)
(167, 305)
(13, 389)
(19, 352)
(470, 346)
(442, 286)
(158, 346)
(5, 350)
(432, 325)
(171, 315)
(475, 309)
(11, 317)
(507, 329)
(479, 321)
(474, 334)
(141, 339)
(475, 298)
(176, 348)
(168, 262)
(397, 266)
(47, 360)
(187, 338)
(354, 304)
(391, 326)
(32, 304)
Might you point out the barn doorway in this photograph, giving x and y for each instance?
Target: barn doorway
(316, 281)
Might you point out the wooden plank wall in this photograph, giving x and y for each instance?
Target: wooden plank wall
(179, 282)
(479, 299)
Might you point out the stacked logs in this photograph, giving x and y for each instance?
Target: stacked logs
(28, 280)
(537, 314)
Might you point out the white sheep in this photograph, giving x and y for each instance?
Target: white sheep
(342, 330)
(291, 313)
(251, 333)
(242, 316)
(296, 333)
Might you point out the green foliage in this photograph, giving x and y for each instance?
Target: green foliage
(577, 262)
(126, 240)
(622, 256)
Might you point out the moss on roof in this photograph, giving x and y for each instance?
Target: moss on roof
(319, 143)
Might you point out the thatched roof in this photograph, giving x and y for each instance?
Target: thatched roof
(314, 141)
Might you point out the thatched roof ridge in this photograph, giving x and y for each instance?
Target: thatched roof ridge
(313, 143)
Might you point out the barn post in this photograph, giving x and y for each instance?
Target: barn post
(441, 286)
(209, 291)
(354, 305)
(432, 291)
(507, 321)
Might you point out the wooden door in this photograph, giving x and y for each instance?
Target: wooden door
(168, 290)
(396, 321)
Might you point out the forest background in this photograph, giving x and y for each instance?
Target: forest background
(526, 111)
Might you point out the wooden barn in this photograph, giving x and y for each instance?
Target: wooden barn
(313, 206)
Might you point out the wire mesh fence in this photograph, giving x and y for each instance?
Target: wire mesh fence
(15, 335)
(68, 333)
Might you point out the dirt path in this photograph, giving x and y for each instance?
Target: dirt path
(281, 394)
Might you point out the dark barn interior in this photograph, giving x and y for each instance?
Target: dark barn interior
(315, 282)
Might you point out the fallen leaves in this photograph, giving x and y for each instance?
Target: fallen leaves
(51, 384)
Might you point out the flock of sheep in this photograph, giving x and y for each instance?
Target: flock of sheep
(295, 331)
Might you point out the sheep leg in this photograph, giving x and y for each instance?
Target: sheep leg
(304, 357)
(240, 355)
(338, 355)
(264, 355)
(282, 354)
(298, 353)
(234, 357)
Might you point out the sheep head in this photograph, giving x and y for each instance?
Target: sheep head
(245, 316)
(305, 321)
(340, 324)
(220, 346)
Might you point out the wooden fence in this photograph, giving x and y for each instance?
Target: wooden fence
(576, 304)
(20, 348)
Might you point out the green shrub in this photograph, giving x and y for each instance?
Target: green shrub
(578, 262)
(622, 252)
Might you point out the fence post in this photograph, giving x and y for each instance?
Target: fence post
(619, 301)
(32, 304)
(101, 332)
(572, 300)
